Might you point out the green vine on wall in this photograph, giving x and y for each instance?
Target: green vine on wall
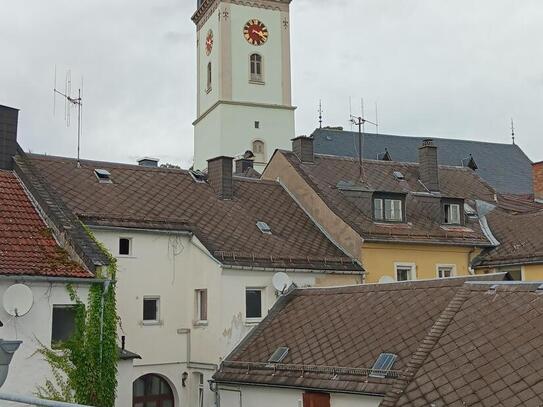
(84, 368)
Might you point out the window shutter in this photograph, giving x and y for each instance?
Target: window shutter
(378, 209)
(316, 400)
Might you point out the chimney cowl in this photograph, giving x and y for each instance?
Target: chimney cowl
(537, 180)
(219, 176)
(428, 166)
(302, 146)
(8, 136)
(243, 164)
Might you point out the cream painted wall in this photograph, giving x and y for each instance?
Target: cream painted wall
(173, 266)
(533, 272)
(379, 259)
(28, 369)
(254, 396)
(227, 114)
(230, 130)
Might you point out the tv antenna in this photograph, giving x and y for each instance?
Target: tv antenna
(360, 121)
(513, 130)
(69, 102)
(320, 114)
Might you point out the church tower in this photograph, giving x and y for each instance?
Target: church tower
(244, 84)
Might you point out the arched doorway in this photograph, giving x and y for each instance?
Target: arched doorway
(152, 391)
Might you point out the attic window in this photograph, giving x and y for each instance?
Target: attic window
(453, 211)
(279, 355)
(398, 175)
(198, 176)
(383, 364)
(264, 228)
(104, 176)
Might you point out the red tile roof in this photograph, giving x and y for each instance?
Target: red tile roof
(26, 245)
(160, 198)
(335, 335)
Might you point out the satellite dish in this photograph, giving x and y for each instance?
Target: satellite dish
(386, 280)
(18, 300)
(281, 281)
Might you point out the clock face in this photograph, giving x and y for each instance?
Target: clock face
(255, 32)
(209, 42)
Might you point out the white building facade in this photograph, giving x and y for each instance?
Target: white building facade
(244, 80)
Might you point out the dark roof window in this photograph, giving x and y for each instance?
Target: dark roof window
(104, 176)
(398, 175)
(264, 227)
(279, 355)
(383, 364)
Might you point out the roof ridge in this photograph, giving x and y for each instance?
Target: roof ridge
(426, 346)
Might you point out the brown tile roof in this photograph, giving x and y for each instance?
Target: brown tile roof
(423, 212)
(335, 335)
(169, 199)
(487, 350)
(27, 247)
(520, 237)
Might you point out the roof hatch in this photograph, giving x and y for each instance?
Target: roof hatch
(104, 176)
(264, 227)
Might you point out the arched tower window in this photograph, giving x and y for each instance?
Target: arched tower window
(152, 390)
(256, 65)
(259, 151)
(209, 72)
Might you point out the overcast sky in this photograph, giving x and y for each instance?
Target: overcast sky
(458, 69)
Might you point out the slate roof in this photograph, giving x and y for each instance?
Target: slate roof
(169, 199)
(485, 350)
(520, 236)
(504, 166)
(27, 247)
(335, 335)
(423, 211)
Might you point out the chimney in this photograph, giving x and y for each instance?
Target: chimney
(303, 148)
(428, 169)
(8, 136)
(537, 176)
(243, 164)
(219, 176)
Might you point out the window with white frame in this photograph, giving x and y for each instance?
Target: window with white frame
(388, 208)
(405, 272)
(125, 246)
(452, 212)
(253, 304)
(201, 306)
(446, 270)
(63, 324)
(256, 68)
(201, 390)
(258, 151)
(151, 310)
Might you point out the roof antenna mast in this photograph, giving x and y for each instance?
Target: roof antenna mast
(513, 130)
(360, 121)
(69, 102)
(320, 114)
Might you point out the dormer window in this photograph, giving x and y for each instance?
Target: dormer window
(453, 212)
(388, 208)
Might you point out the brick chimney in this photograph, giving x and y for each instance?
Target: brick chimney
(243, 164)
(537, 177)
(302, 146)
(8, 136)
(219, 176)
(428, 169)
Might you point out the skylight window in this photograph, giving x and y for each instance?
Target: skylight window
(104, 176)
(383, 364)
(279, 355)
(264, 227)
(398, 175)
